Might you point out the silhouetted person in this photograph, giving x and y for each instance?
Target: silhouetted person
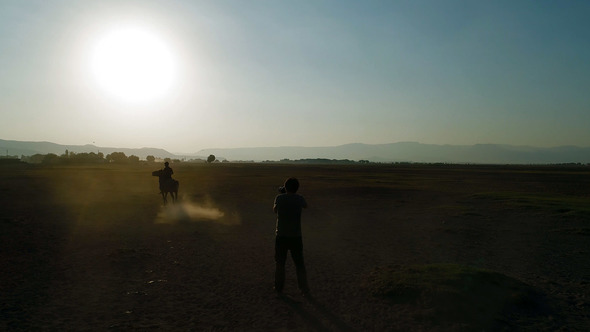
(167, 184)
(167, 172)
(288, 206)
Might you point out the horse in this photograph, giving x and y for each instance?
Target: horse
(167, 185)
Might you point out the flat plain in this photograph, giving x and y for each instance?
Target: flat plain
(387, 247)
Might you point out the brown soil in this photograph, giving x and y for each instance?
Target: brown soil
(92, 248)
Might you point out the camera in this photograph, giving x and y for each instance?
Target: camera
(282, 190)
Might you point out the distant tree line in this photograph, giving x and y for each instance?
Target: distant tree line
(87, 158)
(319, 161)
(121, 158)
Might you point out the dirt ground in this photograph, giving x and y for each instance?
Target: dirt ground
(90, 248)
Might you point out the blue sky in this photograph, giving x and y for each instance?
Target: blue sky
(304, 73)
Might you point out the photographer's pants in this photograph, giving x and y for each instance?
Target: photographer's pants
(282, 246)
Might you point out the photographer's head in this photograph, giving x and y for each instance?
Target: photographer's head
(292, 185)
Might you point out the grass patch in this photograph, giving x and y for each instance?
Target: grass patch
(449, 294)
(559, 204)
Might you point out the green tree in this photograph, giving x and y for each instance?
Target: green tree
(36, 158)
(51, 158)
(117, 157)
(150, 159)
(133, 159)
(211, 158)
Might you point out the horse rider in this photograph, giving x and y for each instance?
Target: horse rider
(167, 183)
(167, 172)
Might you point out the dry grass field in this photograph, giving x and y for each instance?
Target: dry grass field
(387, 247)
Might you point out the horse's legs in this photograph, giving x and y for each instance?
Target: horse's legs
(164, 198)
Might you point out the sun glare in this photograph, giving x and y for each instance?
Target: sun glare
(133, 65)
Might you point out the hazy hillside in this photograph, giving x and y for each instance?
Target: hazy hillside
(394, 152)
(414, 152)
(18, 148)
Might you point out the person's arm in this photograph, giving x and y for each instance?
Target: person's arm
(303, 202)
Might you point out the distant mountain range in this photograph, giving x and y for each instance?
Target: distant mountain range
(18, 148)
(415, 152)
(393, 152)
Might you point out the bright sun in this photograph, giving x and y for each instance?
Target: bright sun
(133, 65)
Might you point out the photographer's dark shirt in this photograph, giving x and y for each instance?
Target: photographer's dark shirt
(288, 207)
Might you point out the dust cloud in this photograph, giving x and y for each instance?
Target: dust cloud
(185, 211)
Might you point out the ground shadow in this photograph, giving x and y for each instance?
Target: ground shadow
(33, 228)
(320, 310)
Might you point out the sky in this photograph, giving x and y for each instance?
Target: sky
(191, 75)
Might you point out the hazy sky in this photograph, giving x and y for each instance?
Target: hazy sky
(213, 74)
